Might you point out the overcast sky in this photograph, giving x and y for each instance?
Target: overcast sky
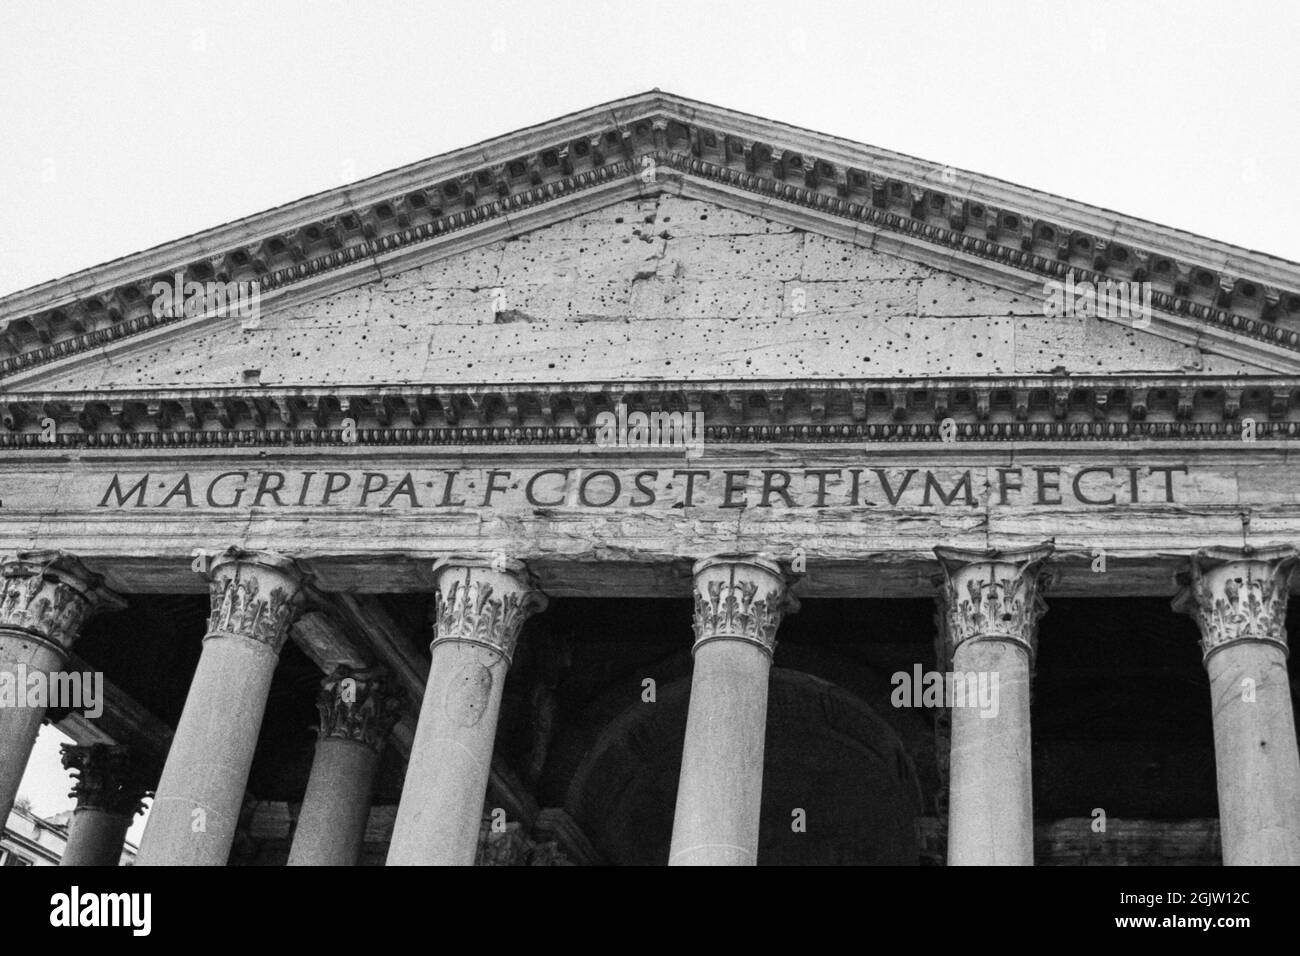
(123, 125)
(126, 125)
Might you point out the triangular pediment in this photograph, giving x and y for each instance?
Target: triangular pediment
(655, 289)
(658, 242)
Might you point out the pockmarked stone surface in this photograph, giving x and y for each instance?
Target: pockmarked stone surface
(666, 289)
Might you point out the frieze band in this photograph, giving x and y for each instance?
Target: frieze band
(666, 487)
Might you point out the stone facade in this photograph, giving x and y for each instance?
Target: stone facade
(386, 506)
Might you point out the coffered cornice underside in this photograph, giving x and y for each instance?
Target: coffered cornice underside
(1014, 410)
(1245, 300)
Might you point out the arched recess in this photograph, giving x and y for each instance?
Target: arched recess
(828, 754)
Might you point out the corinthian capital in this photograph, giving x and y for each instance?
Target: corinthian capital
(358, 705)
(1238, 594)
(107, 778)
(484, 601)
(49, 595)
(255, 594)
(991, 595)
(740, 597)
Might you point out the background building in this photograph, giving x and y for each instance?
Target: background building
(30, 840)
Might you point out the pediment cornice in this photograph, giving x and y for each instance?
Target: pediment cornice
(1244, 304)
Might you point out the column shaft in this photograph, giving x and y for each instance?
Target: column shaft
(1255, 756)
(991, 818)
(357, 712)
(19, 725)
(332, 824)
(45, 598)
(989, 611)
(739, 603)
(96, 838)
(451, 758)
(482, 607)
(1239, 598)
(255, 596)
(193, 818)
(720, 793)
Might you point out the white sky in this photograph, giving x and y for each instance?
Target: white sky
(47, 785)
(124, 125)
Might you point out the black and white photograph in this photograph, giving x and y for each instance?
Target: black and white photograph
(635, 434)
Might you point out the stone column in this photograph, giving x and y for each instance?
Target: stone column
(110, 789)
(357, 710)
(1238, 597)
(482, 607)
(739, 602)
(45, 598)
(255, 597)
(989, 607)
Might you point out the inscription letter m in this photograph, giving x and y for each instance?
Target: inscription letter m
(115, 488)
(963, 485)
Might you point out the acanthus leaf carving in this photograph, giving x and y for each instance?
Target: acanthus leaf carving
(254, 596)
(1239, 595)
(992, 595)
(107, 777)
(358, 706)
(50, 595)
(479, 603)
(740, 597)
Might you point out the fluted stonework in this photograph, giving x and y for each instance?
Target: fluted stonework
(45, 598)
(989, 605)
(1238, 597)
(482, 606)
(739, 602)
